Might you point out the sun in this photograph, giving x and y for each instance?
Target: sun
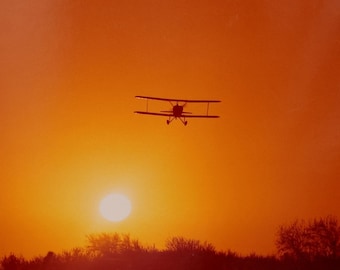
(115, 207)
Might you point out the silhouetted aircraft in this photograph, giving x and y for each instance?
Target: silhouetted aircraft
(177, 109)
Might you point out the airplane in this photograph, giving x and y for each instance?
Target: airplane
(177, 111)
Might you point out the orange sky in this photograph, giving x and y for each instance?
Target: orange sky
(69, 73)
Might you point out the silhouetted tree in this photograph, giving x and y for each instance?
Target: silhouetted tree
(75, 255)
(191, 246)
(109, 244)
(186, 253)
(119, 251)
(311, 240)
(291, 240)
(325, 234)
(103, 244)
(12, 262)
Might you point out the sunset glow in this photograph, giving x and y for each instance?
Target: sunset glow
(70, 71)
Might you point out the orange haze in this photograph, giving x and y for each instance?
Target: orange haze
(68, 135)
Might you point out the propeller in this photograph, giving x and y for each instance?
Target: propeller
(171, 111)
(184, 105)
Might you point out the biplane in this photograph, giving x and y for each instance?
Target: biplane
(177, 111)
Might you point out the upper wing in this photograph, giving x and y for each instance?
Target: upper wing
(179, 100)
(153, 113)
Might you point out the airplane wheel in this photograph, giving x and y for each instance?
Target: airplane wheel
(167, 122)
(185, 123)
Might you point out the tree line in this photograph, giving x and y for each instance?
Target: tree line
(300, 245)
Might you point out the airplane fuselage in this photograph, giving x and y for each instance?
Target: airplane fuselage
(177, 110)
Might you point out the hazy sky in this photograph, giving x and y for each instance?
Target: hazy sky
(68, 136)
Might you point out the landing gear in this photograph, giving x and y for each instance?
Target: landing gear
(183, 121)
(169, 120)
(172, 118)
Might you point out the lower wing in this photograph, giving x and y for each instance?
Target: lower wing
(153, 113)
(184, 116)
(200, 116)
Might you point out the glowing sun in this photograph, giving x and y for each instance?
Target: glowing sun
(115, 207)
